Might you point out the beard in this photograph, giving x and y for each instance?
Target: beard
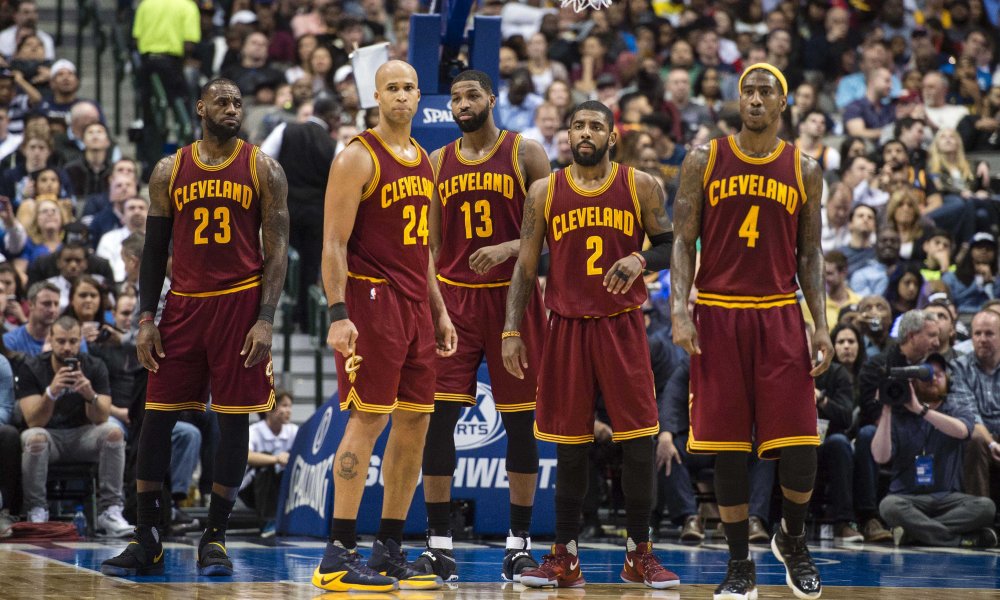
(221, 130)
(593, 159)
(475, 123)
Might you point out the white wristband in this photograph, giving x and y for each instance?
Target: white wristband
(48, 393)
(993, 445)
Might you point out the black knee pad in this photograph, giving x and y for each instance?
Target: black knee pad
(522, 449)
(439, 447)
(797, 468)
(732, 479)
(231, 455)
(153, 458)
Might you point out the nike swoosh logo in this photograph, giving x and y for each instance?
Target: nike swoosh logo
(335, 577)
(573, 566)
(628, 561)
(158, 556)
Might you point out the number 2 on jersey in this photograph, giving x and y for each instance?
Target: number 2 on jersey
(748, 229)
(221, 215)
(596, 244)
(410, 213)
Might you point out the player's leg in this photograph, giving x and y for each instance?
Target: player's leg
(797, 475)
(522, 473)
(439, 467)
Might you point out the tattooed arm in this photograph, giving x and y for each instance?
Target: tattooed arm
(274, 227)
(533, 228)
(687, 215)
(656, 223)
(810, 262)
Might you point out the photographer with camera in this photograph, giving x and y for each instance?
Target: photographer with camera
(922, 434)
(65, 399)
(918, 338)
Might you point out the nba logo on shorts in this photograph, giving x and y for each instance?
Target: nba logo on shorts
(480, 425)
(372, 295)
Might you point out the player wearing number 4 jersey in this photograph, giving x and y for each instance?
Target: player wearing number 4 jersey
(594, 215)
(385, 311)
(475, 223)
(222, 204)
(754, 202)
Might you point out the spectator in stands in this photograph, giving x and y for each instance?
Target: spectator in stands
(98, 202)
(70, 146)
(872, 279)
(16, 183)
(10, 448)
(951, 171)
(910, 132)
(271, 440)
(903, 291)
(942, 309)
(973, 281)
(12, 231)
(861, 226)
(936, 248)
(9, 142)
(838, 293)
(560, 95)
(25, 19)
(89, 304)
(255, 77)
(303, 50)
(45, 235)
(980, 131)
(15, 306)
(131, 257)
(812, 130)
(976, 377)
(110, 248)
(124, 309)
(858, 173)
(923, 441)
(47, 266)
(849, 351)
(121, 187)
(543, 70)
(939, 113)
(71, 259)
(65, 399)
(869, 116)
(89, 173)
(875, 324)
(63, 87)
(565, 151)
(517, 104)
(707, 92)
(692, 115)
(903, 214)
(44, 184)
(546, 125)
(835, 231)
(823, 49)
(855, 86)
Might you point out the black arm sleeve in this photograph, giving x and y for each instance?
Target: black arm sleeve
(153, 268)
(658, 256)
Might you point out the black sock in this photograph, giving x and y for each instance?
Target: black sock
(391, 529)
(738, 538)
(345, 532)
(219, 509)
(147, 511)
(520, 519)
(794, 516)
(439, 518)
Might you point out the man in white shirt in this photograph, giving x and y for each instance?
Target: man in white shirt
(940, 115)
(26, 16)
(135, 210)
(545, 129)
(271, 440)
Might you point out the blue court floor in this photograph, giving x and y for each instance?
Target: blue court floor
(849, 571)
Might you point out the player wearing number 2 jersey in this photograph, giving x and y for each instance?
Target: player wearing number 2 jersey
(754, 202)
(221, 203)
(594, 215)
(384, 309)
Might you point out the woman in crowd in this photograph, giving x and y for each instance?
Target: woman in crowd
(543, 70)
(45, 234)
(903, 214)
(15, 308)
(903, 291)
(304, 48)
(88, 303)
(974, 279)
(849, 351)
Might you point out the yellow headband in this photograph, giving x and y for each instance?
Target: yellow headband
(773, 70)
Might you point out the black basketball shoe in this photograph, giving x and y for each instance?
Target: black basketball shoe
(390, 560)
(740, 582)
(517, 558)
(213, 560)
(142, 556)
(437, 561)
(801, 573)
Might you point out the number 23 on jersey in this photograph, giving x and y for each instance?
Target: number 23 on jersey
(218, 220)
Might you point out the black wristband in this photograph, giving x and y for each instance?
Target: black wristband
(337, 312)
(266, 313)
(924, 410)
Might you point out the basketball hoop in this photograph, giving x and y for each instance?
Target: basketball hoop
(582, 5)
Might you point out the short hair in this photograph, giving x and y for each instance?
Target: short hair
(133, 244)
(476, 75)
(41, 286)
(986, 312)
(279, 394)
(912, 323)
(142, 199)
(595, 106)
(627, 99)
(66, 322)
(857, 207)
(215, 82)
(905, 123)
(73, 245)
(836, 258)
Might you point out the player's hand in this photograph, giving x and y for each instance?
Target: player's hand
(257, 346)
(602, 431)
(821, 344)
(515, 356)
(666, 452)
(486, 258)
(445, 335)
(342, 337)
(685, 334)
(620, 276)
(146, 342)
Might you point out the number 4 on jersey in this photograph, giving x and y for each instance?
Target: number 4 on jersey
(748, 229)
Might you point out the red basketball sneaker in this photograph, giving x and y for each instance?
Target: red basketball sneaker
(642, 566)
(561, 568)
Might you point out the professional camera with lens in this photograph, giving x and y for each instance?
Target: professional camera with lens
(895, 388)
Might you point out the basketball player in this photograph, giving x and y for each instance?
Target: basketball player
(385, 309)
(211, 199)
(754, 202)
(475, 223)
(594, 215)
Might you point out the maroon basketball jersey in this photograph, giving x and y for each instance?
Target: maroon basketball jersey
(389, 241)
(750, 221)
(588, 231)
(481, 205)
(217, 217)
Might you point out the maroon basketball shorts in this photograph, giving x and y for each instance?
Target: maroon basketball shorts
(202, 339)
(582, 356)
(751, 381)
(396, 346)
(478, 316)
